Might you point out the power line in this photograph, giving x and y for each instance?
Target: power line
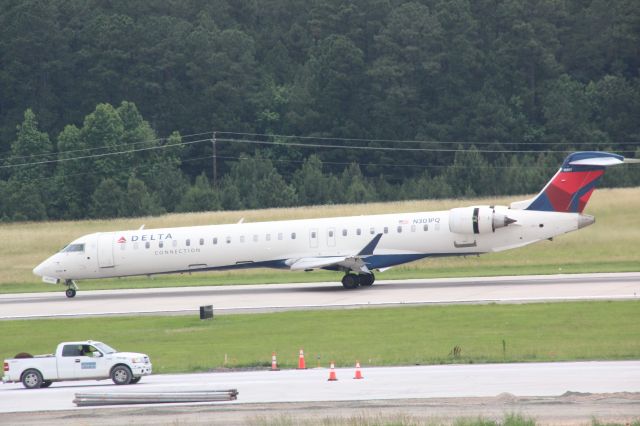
(330, 138)
(294, 144)
(325, 138)
(105, 154)
(384, 148)
(99, 147)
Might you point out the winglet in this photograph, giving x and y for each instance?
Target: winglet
(369, 248)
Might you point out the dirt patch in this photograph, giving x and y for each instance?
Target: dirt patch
(570, 408)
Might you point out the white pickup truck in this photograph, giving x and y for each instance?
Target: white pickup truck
(77, 361)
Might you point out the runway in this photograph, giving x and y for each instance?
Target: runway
(278, 297)
(384, 383)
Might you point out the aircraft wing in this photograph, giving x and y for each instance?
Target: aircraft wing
(353, 263)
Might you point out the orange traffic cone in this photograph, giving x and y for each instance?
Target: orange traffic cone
(332, 374)
(274, 363)
(358, 372)
(301, 365)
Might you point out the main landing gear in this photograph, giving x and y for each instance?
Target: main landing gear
(351, 281)
(71, 288)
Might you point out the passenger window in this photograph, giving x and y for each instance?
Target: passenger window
(242, 238)
(147, 244)
(386, 230)
(344, 232)
(437, 226)
(413, 228)
(400, 229)
(425, 227)
(201, 241)
(331, 233)
(279, 235)
(372, 231)
(188, 242)
(293, 235)
(358, 231)
(174, 243)
(268, 237)
(313, 235)
(228, 240)
(215, 240)
(160, 244)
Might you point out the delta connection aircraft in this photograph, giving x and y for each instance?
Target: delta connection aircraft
(354, 245)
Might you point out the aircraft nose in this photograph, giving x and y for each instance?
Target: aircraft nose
(39, 270)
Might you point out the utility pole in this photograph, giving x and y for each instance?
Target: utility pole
(215, 166)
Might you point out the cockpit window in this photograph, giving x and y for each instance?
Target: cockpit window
(73, 248)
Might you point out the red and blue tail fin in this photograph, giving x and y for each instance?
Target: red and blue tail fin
(570, 188)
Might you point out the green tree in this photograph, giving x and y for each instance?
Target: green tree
(31, 146)
(138, 200)
(312, 185)
(260, 184)
(108, 200)
(200, 197)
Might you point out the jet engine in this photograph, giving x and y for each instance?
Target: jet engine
(477, 220)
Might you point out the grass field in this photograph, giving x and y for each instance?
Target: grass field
(612, 244)
(376, 337)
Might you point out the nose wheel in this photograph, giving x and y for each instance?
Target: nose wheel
(72, 288)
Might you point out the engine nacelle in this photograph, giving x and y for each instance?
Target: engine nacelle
(477, 220)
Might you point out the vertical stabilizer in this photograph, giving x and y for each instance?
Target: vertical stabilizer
(569, 189)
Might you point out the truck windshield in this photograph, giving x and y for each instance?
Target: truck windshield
(105, 349)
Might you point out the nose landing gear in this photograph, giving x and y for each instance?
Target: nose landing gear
(71, 288)
(351, 281)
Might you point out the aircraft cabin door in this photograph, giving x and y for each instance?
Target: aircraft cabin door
(105, 250)
(331, 237)
(313, 238)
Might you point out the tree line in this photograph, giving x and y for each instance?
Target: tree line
(116, 166)
(481, 78)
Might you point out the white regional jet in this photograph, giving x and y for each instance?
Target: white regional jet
(354, 245)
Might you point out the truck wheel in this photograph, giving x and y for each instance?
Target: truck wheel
(135, 380)
(121, 375)
(32, 379)
(46, 384)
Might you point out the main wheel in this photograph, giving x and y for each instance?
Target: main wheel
(121, 375)
(46, 384)
(32, 379)
(350, 281)
(366, 280)
(135, 380)
(70, 292)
